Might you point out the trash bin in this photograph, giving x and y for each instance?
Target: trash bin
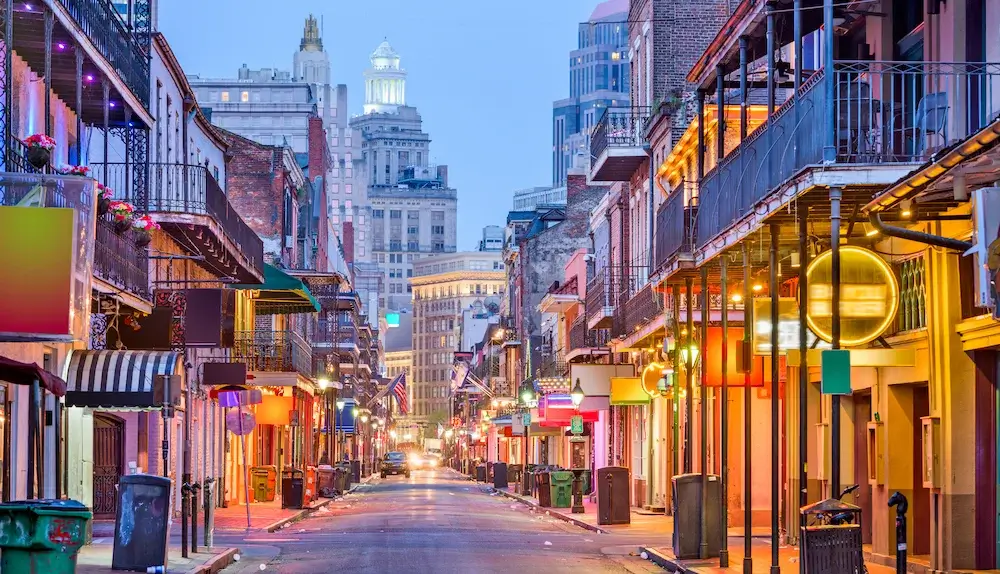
(42, 535)
(828, 549)
(613, 497)
(264, 482)
(586, 478)
(481, 473)
(310, 492)
(324, 480)
(355, 471)
(142, 524)
(514, 474)
(686, 507)
(292, 488)
(499, 475)
(489, 472)
(562, 488)
(342, 477)
(543, 487)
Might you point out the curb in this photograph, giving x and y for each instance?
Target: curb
(277, 525)
(218, 562)
(664, 561)
(553, 513)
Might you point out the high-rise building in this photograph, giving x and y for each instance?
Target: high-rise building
(444, 287)
(598, 79)
(413, 212)
(492, 238)
(532, 197)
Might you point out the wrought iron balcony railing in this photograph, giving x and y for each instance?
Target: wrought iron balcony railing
(273, 351)
(118, 261)
(127, 52)
(675, 225)
(582, 337)
(619, 127)
(639, 309)
(884, 112)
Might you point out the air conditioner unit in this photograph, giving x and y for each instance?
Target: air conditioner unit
(986, 218)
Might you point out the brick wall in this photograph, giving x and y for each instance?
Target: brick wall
(678, 46)
(255, 186)
(319, 163)
(348, 241)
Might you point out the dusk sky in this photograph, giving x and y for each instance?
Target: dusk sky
(482, 74)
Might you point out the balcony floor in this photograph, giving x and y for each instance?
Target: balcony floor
(617, 164)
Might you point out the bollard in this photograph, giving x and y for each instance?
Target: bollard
(185, 511)
(209, 511)
(195, 488)
(577, 493)
(901, 504)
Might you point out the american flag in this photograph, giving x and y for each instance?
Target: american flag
(398, 389)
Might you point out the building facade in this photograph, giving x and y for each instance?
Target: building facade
(598, 79)
(444, 287)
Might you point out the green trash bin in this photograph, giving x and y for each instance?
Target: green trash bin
(263, 482)
(42, 535)
(562, 488)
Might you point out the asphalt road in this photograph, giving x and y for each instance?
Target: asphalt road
(433, 522)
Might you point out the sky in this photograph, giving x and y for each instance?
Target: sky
(482, 74)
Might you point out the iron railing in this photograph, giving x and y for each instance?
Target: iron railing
(17, 158)
(119, 261)
(328, 333)
(912, 294)
(641, 308)
(273, 351)
(884, 112)
(582, 337)
(675, 225)
(127, 53)
(202, 195)
(619, 127)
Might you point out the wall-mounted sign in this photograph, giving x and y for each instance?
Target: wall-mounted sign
(869, 296)
(788, 327)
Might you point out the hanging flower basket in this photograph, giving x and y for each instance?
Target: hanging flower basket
(144, 227)
(104, 195)
(121, 215)
(40, 148)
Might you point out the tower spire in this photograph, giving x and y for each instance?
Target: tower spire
(311, 40)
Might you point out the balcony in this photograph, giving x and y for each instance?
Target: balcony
(642, 308)
(191, 206)
(888, 118)
(582, 338)
(617, 146)
(119, 263)
(675, 227)
(343, 336)
(601, 300)
(273, 352)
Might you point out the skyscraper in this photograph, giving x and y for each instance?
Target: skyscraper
(598, 79)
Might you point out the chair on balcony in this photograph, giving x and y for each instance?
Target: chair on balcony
(856, 114)
(931, 118)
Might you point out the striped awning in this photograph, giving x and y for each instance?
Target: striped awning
(118, 379)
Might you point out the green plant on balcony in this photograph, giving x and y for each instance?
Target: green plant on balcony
(40, 148)
(144, 227)
(121, 215)
(104, 197)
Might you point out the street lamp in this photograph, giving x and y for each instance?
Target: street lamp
(340, 404)
(577, 394)
(690, 351)
(527, 393)
(324, 383)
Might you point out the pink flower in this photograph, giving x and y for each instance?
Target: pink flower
(145, 223)
(104, 192)
(80, 170)
(121, 210)
(40, 140)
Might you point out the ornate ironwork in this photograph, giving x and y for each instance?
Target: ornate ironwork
(619, 127)
(675, 225)
(6, 72)
(98, 331)
(119, 261)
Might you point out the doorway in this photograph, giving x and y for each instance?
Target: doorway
(920, 505)
(109, 459)
(862, 415)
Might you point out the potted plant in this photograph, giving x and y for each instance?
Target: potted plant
(40, 148)
(80, 170)
(121, 214)
(104, 195)
(144, 227)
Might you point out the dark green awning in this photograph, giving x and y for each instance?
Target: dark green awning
(281, 294)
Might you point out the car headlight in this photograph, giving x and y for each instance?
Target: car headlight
(415, 460)
(433, 462)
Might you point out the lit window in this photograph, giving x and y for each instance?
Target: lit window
(244, 96)
(225, 96)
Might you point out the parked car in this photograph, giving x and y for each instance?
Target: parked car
(395, 463)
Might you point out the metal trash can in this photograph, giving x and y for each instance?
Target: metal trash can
(831, 549)
(310, 494)
(613, 495)
(42, 535)
(499, 475)
(489, 472)
(325, 485)
(481, 473)
(514, 474)
(142, 524)
(355, 471)
(543, 487)
(562, 488)
(585, 476)
(686, 507)
(264, 482)
(292, 488)
(342, 477)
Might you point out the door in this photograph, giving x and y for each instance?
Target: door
(108, 463)
(862, 415)
(920, 505)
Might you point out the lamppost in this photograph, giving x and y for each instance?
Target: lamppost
(365, 445)
(527, 397)
(577, 396)
(340, 444)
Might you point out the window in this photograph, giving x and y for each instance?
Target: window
(378, 213)
(361, 219)
(381, 257)
(409, 272)
(438, 246)
(437, 229)
(334, 188)
(395, 214)
(225, 96)
(348, 188)
(361, 251)
(348, 204)
(413, 230)
(361, 235)
(244, 97)
(395, 245)
(412, 246)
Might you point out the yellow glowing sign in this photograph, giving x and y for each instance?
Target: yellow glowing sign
(869, 296)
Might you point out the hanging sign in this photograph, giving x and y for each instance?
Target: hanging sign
(869, 296)
(788, 327)
(240, 422)
(576, 425)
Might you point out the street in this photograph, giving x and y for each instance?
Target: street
(434, 521)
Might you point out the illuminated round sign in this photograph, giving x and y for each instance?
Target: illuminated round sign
(651, 376)
(869, 296)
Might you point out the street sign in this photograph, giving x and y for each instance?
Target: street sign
(526, 419)
(835, 373)
(576, 424)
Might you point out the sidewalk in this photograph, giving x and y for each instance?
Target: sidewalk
(96, 559)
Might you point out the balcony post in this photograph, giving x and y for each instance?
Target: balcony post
(797, 34)
(747, 363)
(720, 115)
(701, 135)
(49, 21)
(835, 196)
(774, 232)
(744, 86)
(803, 361)
(5, 69)
(830, 113)
(676, 313)
(770, 57)
(689, 366)
(704, 402)
(78, 52)
(106, 91)
(724, 426)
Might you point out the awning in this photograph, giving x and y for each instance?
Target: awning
(27, 373)
(281, 294)
(118, 379)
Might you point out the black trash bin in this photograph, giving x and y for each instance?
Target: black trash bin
(613, 498)
(830, 549)
(481, 473)
(342, 477)
(514, 474)
(142, 524)
(499, 475)
(686, 508)
(292, 488)
(355, 471)
(543, 487)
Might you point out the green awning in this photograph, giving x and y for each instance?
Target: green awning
(281, 294)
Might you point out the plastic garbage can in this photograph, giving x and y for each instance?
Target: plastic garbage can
(42, 535)
(562, 488)
(142, 524)
(264, 483)
(325, 481)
